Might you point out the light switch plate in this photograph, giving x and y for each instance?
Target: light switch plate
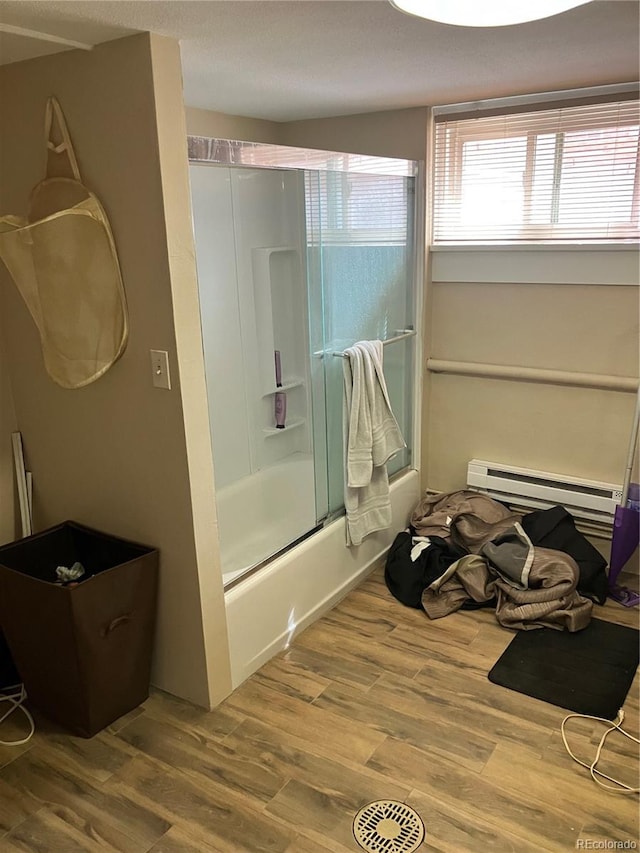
(160, 369)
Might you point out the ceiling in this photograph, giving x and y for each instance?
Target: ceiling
(314, 58)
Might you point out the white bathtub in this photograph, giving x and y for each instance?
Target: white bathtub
(267, 609)
(261, 514)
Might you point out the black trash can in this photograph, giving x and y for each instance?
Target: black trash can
(83, 650)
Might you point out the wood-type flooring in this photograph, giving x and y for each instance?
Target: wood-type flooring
(373, 701)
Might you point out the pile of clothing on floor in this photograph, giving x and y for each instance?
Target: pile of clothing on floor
(466, 550)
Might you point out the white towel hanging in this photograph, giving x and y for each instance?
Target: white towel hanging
(371, 437)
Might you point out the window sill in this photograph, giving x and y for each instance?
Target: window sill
(618, 246)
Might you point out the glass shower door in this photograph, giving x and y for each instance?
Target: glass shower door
(304, 253)
(360, 262)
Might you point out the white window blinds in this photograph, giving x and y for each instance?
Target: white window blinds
(364, 209)
(569, 174)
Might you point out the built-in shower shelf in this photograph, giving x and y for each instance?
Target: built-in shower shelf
(291, 425)
(288, 386)
(269, 250)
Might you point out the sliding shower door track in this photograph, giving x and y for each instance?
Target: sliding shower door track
(263, 563)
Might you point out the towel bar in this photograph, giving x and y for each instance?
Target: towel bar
(401, 335)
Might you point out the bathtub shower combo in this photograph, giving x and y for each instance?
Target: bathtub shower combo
(300, 254)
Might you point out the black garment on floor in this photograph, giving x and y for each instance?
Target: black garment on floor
(555, 528)
(407, 579)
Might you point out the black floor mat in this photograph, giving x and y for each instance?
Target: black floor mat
(588, 672)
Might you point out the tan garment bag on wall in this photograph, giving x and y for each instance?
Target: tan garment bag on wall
(64, 262)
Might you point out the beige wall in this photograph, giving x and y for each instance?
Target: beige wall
(394, 133)
(174, 168)
(223, 126)
(114, 455)
(562, 325)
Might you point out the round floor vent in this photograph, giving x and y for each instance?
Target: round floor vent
(387, 826)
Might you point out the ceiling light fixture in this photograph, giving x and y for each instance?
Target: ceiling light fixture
(484, 13)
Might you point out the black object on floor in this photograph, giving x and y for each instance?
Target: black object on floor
(589, 672)
(555, 528)
(8, 673)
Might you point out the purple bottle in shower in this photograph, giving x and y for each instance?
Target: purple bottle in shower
(280, 409)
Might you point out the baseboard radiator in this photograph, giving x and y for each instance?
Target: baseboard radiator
(590, 502)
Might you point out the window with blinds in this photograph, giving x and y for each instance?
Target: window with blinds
(568, 174)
